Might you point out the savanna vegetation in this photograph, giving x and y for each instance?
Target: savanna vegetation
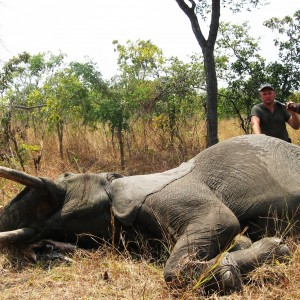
(59, 116)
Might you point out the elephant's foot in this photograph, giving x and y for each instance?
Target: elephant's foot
(262, 251)
(230, 274)
(215, 275)
(226, 277)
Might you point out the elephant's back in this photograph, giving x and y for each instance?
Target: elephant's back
(253, 153)
(250, 170)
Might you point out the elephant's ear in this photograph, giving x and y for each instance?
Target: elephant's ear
(129, 193)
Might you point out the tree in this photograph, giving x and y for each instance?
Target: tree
(139, 65)
(44, 93)
(16, 80)
(69, 95)
(97, 88)
(285, 72)
(139, 60)
(64, 95)
(247, 69)
(193, 10)
(243, 74)
(178, 94)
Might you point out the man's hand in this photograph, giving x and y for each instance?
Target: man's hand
(293, 106)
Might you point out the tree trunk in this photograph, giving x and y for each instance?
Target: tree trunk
(10, 136)
(207, 47)
(60, 139)
(212, 98)
(121, 145)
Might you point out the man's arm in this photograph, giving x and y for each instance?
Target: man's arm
(255, 123)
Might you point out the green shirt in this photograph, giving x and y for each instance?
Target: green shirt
(272, 124)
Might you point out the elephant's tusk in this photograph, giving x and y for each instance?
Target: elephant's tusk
(21, 177)
(16, 235)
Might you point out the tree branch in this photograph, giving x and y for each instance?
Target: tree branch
(214, 22)
(187, 10)
(190, 12)
(29, 107)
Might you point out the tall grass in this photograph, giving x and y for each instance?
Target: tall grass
(148, 148)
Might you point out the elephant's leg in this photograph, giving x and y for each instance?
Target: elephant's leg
(262, 251)
(244, 261)
(198, 247)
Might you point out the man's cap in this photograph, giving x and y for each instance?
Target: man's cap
(266, 86)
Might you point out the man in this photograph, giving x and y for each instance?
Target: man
(270, 116)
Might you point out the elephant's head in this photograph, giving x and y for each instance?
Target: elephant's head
(73, 204)
(78, 204)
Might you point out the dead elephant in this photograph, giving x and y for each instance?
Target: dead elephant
(202, 205)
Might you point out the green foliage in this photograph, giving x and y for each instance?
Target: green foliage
(25, 150)
(139, 60)
(64, 95)
(204, 7)
(11, 70)
(285, 72)
(179, 90)
(44, 92)
(295, 97)
(115, 111)
(37, 64)
(140, 64)
(243, 74)
(246, 69)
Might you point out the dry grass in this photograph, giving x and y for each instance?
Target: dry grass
(100, 274)
(105, 273)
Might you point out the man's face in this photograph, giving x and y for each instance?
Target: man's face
(267, 96)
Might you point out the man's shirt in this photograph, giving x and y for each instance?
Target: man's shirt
(272, 124)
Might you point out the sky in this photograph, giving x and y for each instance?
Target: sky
(87, 28)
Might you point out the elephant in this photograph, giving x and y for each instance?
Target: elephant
(226, 211)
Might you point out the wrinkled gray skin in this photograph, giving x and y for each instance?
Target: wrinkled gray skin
(201, 206)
